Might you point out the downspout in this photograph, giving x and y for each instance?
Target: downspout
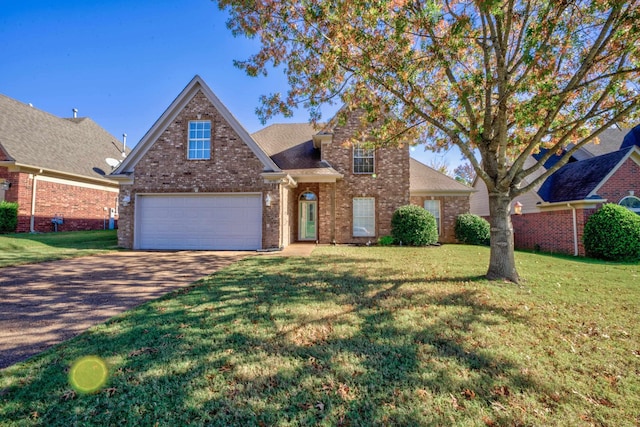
(575, 229)
(34, 188)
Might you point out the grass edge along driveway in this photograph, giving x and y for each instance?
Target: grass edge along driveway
(358, 336)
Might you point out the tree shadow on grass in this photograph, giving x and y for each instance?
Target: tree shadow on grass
(274, 341)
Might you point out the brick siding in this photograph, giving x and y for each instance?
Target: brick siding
(82, 208)
(389, 187)
(450, 208)
(233, 167)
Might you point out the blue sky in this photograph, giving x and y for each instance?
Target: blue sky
(122, 62)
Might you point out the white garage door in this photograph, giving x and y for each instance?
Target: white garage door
(230, 221)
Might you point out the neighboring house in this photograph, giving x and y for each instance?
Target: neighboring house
(554, 214)
(55, 168)
(198, 180)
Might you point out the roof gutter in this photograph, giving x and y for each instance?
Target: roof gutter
(17, 165)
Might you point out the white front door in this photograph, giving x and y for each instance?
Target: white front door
(308, 217)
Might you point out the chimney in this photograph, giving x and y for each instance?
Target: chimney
(124, 144)
(75, 113)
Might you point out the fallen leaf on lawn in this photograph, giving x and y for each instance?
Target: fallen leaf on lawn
(469, 394)
(69, 395)
(455, 404)
(502, 390)
(110, 391)
(143, 350)
(320, 406)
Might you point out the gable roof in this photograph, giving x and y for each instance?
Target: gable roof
(422, 178)
(30, 137)
(577, 180)
(290, 145)
(196, 85)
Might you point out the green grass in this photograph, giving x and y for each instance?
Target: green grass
(16, 249)
(359, 337)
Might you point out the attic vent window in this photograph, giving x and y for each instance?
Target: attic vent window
(199, 140)
(632, 203)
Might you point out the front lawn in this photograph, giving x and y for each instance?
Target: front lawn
(25, 248)
(359, 337)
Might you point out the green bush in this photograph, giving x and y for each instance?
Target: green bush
(8, 217)
(413, 226)
(613, 233)
(386, 241)
(472, 229)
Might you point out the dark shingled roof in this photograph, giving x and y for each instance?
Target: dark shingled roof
(33, 137)
(290, 145)
(632, 138)
(575, 181)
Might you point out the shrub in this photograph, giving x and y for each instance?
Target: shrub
(8, 217)
(386, 241)
(412, 225)
(472, 229)
(613, 233)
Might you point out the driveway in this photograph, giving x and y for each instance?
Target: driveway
(44, 304)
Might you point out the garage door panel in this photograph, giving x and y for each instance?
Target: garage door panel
(221, 222)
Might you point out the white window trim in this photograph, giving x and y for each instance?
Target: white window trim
(439, 217)
(189, 140)
(372, 217)
(636, 210)
(372, 157)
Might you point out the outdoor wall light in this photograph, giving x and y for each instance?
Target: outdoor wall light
(5, 185)
(517, 208)
(267, 200)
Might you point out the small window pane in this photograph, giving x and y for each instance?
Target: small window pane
(363, 159)
(199, 146)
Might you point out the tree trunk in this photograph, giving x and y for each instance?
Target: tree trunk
(502, 264)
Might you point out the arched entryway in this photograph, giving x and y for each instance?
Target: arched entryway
(308, 216)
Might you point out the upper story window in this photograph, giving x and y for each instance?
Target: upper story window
(363, 159)
(632, 203)
(199, 140)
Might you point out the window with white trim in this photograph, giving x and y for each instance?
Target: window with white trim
(199, 140)
(632, 203)
(363, 159)
(364, 219)
(433, 207)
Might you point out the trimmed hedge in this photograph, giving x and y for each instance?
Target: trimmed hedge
(413, 226)
(472, 230)
(8, 217)
(612, 233)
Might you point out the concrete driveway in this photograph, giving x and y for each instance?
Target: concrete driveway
(44, 304)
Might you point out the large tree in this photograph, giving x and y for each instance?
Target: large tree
(500, 79)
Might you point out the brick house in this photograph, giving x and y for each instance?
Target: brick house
(554, 214)
(55, 168)
(198, 180)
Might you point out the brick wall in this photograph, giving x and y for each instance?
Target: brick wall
(82, 208)
(550, 231)
(624, 180)
(389, 186)
(450, 208)
(232, 168)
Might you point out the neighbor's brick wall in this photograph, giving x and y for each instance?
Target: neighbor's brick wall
(625, 179)
(82, 208)
(450, 208)
(550, 231)
(232, 168)
(390, 187)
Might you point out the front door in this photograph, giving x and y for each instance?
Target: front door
(308, 217)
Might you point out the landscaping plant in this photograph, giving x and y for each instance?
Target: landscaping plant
(613, 233)
(8, 217)
(413, 226)
(472, 229)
